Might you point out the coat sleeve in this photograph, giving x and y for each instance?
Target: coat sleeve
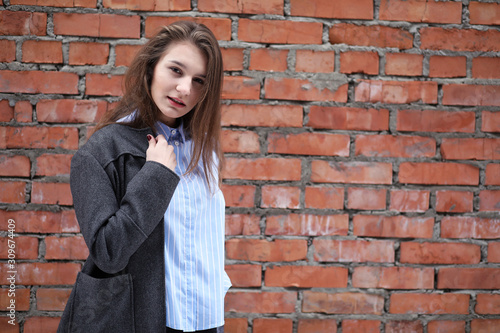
(114, 230)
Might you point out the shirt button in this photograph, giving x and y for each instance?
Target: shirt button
(173, 131)
(176, 143)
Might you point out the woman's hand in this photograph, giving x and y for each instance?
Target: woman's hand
(160, 151)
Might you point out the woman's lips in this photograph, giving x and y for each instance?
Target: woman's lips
(176, 102)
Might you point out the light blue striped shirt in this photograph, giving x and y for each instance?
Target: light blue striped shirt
(195, 280)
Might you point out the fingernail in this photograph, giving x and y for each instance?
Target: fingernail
(149, 137)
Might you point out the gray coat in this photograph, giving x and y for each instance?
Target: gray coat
(119, 200)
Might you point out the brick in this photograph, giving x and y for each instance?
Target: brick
(41, 137)
(314, 61)
(486, 67)
(394, 146)
(365, 326)
(307, 225)
(353, 250)
(438, 173)
(72, 248)
(22, 299)
(399, 326)
(359, 62)
(242, 224)
(6, 111)
(345, 118)
(306, 277)
(97, 25)
(240, 142)
(342, 303)
(221, 27)
(22, 23)
(492, 174)
(41, 324)
(262, 169)
(8, 327)
(375, 35)
(25, 247)
(396, 92)
(351, 172)
(148, 5)
(70, 110)
(36, 273)
(240, 87)
(435, 121)
(470, 227)
(280, 197)
(421, 11)
(324, 197)
(279, 32)
(244, 275)
(415, 303)
(494, 252)
(262, 115)
(305, 90)
(468, 278)
(490, 121)
(317, 326)
(271, 60)
(393, 226)
(103, 85)
(85, 3)
(23, 112)
(51, 194)
(444, 66)
(125, 54)
(440, 253)
(53, 299)
(484, 13)
(409, 200)
(15, 166)
(356, 9)
(260, 302)
(88, 53)
(242, 7)
(469, 94)
(8, 48)
(454, 201)
(487, 304)
(272, 325)
(236, 325)
(40, 222)
(42, 51)
(366, 198)
(232, 59)
(489, 200)
(48, 3)
(404, 64)
(323, 144)
(446, 326)
(36, 82)
(239, 195)
(263, 250)
(434, 38)
(485, 325)
(12, 192)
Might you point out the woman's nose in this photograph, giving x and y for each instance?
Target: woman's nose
(184, 87)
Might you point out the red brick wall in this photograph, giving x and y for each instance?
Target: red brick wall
(362, 139)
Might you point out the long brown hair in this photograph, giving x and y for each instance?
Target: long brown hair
(202, 123)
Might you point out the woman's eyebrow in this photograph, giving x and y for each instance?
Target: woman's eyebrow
(180, 64)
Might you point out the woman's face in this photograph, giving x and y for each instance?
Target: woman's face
(178, 80)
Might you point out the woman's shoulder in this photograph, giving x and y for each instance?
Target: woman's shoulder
(114, 140)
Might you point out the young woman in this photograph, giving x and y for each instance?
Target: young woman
(146, 196)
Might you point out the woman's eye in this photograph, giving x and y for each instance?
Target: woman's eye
(175, 70)
(199, 81)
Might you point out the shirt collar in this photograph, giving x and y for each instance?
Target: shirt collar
(171, 134)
